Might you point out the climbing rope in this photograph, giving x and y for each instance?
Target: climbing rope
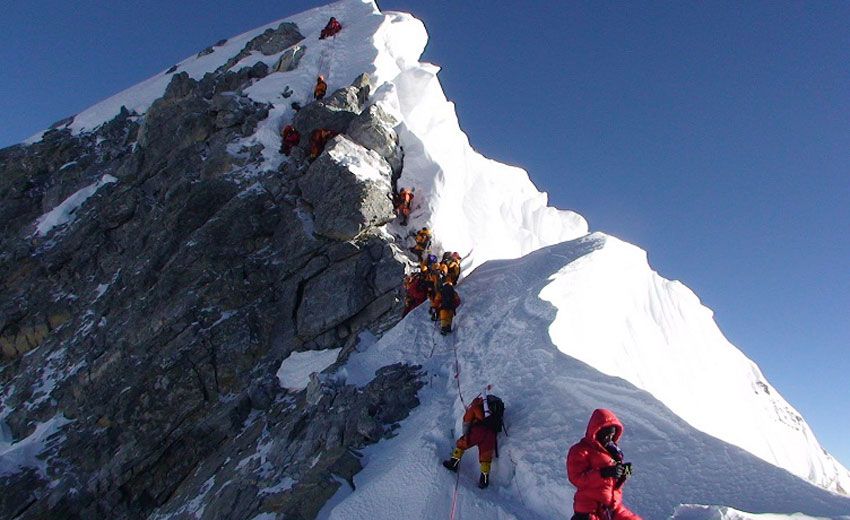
(513, 461)
(457, 372)
(460, 395)
(454, 496)
(433, 339)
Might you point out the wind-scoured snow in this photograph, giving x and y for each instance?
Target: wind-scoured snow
(65, 212)
(619, 316)
(503, 338)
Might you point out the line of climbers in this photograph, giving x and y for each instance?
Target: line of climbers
(595, 464)
(435, 281)
(401, 204)
(289, 136)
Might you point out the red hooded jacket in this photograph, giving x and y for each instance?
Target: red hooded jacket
(585, 459)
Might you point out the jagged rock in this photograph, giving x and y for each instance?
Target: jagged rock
(180, 86)
(375, 130)
(337, 293)
(346, 99)
(349, 189)
(62, 122)
(319, 115)
(277, 470)
(276, 40)
(156, 320)
(229, 109)
(272, 41)
(258, 70)
(363, 84)
(335, 112)
(290, 59)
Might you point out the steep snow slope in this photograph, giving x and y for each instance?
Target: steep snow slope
(614, 313)
(619, 316)
(503, 338)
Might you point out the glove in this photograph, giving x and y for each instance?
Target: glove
(615, 471)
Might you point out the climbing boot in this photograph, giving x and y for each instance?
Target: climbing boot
(451, 464)
(484, 480)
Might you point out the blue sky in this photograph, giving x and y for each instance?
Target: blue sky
(715, 135)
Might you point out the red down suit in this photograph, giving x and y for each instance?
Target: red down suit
(596, 495)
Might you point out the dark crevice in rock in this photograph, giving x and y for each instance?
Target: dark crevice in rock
(201, 386)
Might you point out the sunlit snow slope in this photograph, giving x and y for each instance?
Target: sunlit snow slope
(613, 312)
(503, 338)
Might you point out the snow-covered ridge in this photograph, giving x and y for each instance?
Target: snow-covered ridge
(613, 312)
(619, 316)
(504, 338)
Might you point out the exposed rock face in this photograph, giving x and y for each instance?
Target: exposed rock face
(349, 189)
(272, 41)
(289, 435)
(335, 112)
(375, 130)
(290, 59)
(153, 323)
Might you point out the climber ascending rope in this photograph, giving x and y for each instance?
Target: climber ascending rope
(320, 89)
(330, 29)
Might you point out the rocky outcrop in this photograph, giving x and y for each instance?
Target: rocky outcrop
(375, 129)
(271, 41)
(153, 323)
(334, 113)
(290, 59)
(277, 470)
(349, 188)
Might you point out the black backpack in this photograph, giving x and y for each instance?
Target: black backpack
(447, 295)
(495, 421)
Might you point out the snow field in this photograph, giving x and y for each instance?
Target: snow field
(502, 338)
(619, 316)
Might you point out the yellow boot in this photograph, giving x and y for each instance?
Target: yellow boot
(453, 463)
(484, 479)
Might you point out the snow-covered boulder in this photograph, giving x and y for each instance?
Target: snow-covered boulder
(290, 59)
(335, 112)
(374, 129)
(349, 189)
